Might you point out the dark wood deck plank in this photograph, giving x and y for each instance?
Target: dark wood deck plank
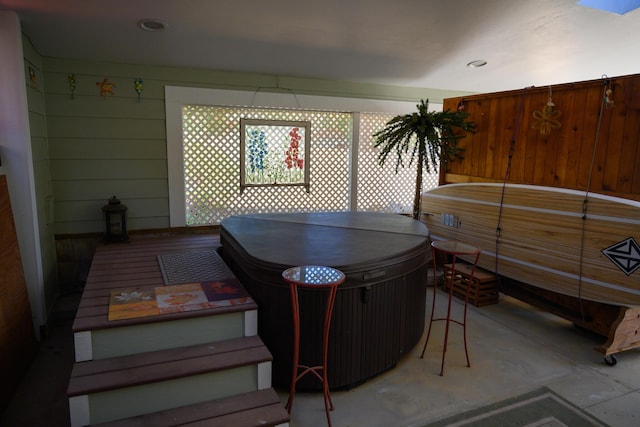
(143, 368)
(134, 265)
(99, 271)
(250, 417)
(264, 406)
(86, 319)
(104, 366)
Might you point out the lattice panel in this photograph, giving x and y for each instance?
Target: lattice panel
(211, 144)
(380, 189)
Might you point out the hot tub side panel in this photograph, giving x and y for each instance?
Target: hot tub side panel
(375, 323)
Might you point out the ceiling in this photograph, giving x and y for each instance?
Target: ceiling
(416, 43)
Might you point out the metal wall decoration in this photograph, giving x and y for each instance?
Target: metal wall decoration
(547, 119)
(137, 84)
(71, 79)
(106, 88)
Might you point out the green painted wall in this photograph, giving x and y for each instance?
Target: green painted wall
(41, 171)
(101, 147)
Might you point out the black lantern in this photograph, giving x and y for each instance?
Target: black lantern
(115, 216)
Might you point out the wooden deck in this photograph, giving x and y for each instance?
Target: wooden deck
(134, 265)
(182, 354)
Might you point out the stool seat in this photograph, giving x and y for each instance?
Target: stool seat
(318, 277)
(452, 249)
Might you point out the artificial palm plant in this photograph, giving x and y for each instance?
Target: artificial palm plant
(432, 136)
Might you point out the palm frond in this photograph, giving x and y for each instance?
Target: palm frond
(430, 136)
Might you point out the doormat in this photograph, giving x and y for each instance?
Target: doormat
(541, 407)
(190, 267)
(133, 303)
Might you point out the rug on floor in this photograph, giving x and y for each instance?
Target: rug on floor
(189, 267)
(539, 408)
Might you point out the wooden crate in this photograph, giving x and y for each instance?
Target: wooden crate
(483, 289)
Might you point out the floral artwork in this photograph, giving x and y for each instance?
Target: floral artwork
(292, 158)
(257, 151)
(274, 153)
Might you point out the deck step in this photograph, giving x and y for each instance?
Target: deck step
(165, 332)
(128, 386)
(257, 408)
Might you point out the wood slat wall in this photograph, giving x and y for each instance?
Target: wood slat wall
(18, 343)
(564, 157)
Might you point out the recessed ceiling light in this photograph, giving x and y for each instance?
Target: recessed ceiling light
(152, 25)
(477, 63)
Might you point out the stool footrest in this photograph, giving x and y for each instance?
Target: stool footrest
(309, 370)
(483, 288)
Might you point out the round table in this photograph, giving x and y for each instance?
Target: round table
(312, 277)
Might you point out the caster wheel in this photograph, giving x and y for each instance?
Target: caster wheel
(610, 360)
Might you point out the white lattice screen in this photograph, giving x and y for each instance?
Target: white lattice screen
(379, 188)
(211, 149)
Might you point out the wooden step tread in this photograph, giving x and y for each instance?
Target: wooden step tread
(257, 408)
(143, 368)
(92, 317)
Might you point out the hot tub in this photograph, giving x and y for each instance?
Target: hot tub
(379, 312)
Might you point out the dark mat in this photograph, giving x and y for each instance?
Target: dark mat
(541, 407)
(190, 267)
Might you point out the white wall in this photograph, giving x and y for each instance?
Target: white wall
(16, 158)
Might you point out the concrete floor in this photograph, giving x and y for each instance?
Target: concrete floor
(514, 348)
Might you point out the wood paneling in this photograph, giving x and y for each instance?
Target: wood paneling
(564, 157)
(17, 339)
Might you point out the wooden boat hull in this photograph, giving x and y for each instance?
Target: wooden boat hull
(580, 245)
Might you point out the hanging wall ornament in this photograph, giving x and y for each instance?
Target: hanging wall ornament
(608, 93)
(137, 84)
(71, 79)
(106, 88)
(461, 105)
(547, 119)
(33, 77)
(608, 99)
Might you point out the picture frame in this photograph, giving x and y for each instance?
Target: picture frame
(274, 153)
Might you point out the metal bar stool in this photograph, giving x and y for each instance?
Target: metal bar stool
(453, 249)
(312, 277)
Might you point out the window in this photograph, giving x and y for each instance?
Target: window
(206, 171)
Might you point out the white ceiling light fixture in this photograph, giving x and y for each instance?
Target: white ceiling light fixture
(153, 25)
(477, 63)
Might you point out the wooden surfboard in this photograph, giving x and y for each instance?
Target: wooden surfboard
(543, 237)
